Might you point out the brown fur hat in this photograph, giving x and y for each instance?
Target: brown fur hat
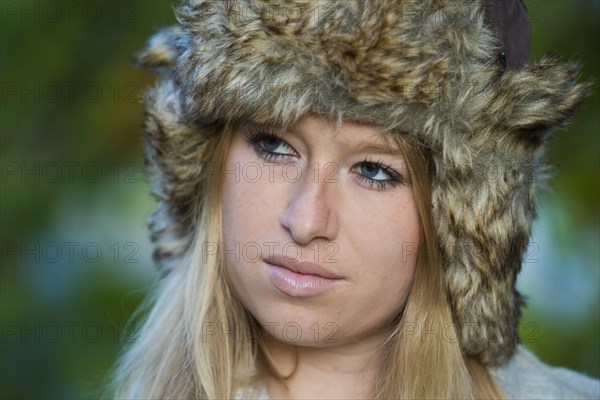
(426, 68)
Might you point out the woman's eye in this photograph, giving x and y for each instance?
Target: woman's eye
(268, 146)
(376, 174)
(275, 145)
(374, 171)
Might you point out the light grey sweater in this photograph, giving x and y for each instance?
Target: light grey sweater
(525, 377)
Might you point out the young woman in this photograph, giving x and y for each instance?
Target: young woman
(346, 191)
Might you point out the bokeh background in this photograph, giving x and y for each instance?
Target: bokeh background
(75, 252)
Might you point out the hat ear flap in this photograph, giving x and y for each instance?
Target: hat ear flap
(162, 50)
(528, 104)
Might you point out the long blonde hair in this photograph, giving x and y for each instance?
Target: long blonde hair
(198, 341)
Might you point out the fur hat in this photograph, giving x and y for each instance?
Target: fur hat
(431, 69)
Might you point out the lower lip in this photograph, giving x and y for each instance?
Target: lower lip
(299, 285)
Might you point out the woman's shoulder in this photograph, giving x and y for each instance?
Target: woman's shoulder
(524, 376)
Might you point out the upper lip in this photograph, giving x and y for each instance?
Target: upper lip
(302, 267)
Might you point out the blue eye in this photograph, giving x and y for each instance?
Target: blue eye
(375, 173)
(372, 171)
(273, 144)
(268, 145)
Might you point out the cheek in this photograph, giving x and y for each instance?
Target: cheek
(389, 239)
(248, 218)
(246, 199)
(388, 249)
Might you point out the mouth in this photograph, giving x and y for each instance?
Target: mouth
(302, 267)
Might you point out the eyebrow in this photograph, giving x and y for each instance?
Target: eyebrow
(378, 148)
(363, 146)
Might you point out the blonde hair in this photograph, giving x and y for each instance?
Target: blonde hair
(423, 354)
(177, 354)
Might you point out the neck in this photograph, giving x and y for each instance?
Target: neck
(343, 371)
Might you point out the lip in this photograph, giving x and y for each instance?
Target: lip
(302, 267)
(300, 278)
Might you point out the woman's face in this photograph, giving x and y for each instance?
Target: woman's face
(320, 230)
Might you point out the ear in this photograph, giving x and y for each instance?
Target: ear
(163, 49)
(529, 103)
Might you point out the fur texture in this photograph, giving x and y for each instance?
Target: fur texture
(423, 68)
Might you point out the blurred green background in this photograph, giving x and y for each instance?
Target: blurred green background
(74, 201)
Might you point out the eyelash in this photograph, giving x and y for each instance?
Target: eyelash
(254, 138)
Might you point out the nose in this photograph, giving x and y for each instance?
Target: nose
(311, 212)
